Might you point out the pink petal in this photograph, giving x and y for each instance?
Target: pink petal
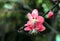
(42, 28)
(34, 13)
(40, 19)
(38, 26)
(29, 16)
(27, 29)
(28, 23)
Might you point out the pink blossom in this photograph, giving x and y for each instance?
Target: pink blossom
(35, 22)
(50, 14)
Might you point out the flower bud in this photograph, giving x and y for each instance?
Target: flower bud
(49, 15)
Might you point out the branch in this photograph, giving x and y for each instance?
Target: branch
(51, 8)
(50, 27)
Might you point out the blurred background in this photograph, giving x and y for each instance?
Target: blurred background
(13, 17)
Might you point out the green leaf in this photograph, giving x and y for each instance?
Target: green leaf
(48, 3)
(59, 4)
(39, 1)
(58, 37)
(46, 16)
(45, 7)
(8, 6)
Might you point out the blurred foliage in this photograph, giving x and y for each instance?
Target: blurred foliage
(13, 16)
(58, 37)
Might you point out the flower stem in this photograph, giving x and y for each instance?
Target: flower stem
(35, 37)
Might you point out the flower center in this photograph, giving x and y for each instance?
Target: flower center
(34, 21)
